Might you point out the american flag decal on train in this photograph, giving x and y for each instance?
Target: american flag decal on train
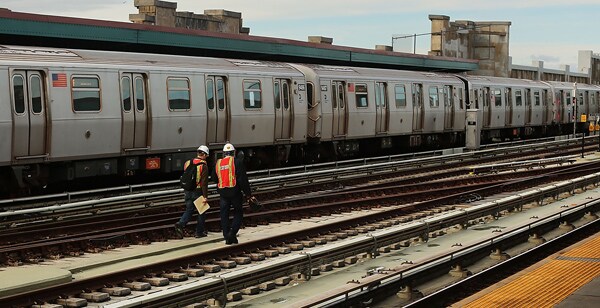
(59, 80)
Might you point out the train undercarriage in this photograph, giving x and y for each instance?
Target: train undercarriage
(38, 178)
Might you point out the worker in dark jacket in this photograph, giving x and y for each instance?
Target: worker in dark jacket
(201, 189)
(232, 185)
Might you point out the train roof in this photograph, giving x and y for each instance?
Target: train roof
(65, 57)
(501, 81)
(328, 71)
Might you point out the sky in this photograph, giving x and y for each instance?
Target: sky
(552, 31)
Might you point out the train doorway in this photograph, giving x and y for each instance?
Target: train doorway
(508, 118)
(216, 105)
(339, 108)
(418, 106)
(283, 109)
(29, 113)
(381, 108)
(134, 112)
(448, 107)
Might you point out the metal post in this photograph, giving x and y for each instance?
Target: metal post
(415, 44)
(598, 131)
(582, 143)
(574, 98)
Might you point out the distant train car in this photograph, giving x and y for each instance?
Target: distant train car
(74, 114)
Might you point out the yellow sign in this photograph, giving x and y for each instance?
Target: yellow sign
(583, 117)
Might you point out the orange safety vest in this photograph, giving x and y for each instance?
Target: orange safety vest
(226, 172)
(200, 164)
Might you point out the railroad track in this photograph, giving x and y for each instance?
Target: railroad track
(36, 243)
(160, 273)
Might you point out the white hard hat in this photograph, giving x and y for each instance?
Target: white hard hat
(203, 148)
(228, 147)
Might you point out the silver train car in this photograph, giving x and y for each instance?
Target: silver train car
(73, 114)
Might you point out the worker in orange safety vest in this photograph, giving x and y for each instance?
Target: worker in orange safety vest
(232, 185)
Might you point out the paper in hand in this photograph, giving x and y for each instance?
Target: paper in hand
(201, 204)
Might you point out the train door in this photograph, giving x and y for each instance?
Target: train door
(584, 105)
(508, 110)
(29, 107)
(569, 107)
(216, 107)
(283, 113)
(134, 111)
(527, 106)
(448, 107)
(418, 114)
(487, 113)
(339, 108)
(381, 108)
(544, 106)
(476, 94)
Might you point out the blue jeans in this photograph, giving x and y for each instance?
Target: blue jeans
(231, 204)
(190, 209)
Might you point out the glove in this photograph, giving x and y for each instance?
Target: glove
(253, 203)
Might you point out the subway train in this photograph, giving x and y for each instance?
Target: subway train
(67, 115)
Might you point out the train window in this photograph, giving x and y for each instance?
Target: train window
(310, 95)
(362, 95)
(286, 95)
(210, 94)
(86, 94)
(580, 98)
(434, 100)
(19, 94)
(381, 94)
(126, 94)
(497, 98)
(536, 98)
(221, 93)
(140, 95)
(461, 100)
(447, 96)
(178, 93)
(277, 95)
(508, 95)
(518, 98)
(341, 99)
(400, 96)
(35, 87)
(417, 93)
(252, 94)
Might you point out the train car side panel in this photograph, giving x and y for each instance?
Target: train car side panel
(299, 110)
(85, 116)
(251, 111)
(178, 111)
(6, 114)
(400, 109)
(326, 109)
(361, 109)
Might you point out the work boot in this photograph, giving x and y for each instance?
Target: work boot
(231, 239)
(179, 230)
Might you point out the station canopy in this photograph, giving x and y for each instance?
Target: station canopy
(77, 33)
